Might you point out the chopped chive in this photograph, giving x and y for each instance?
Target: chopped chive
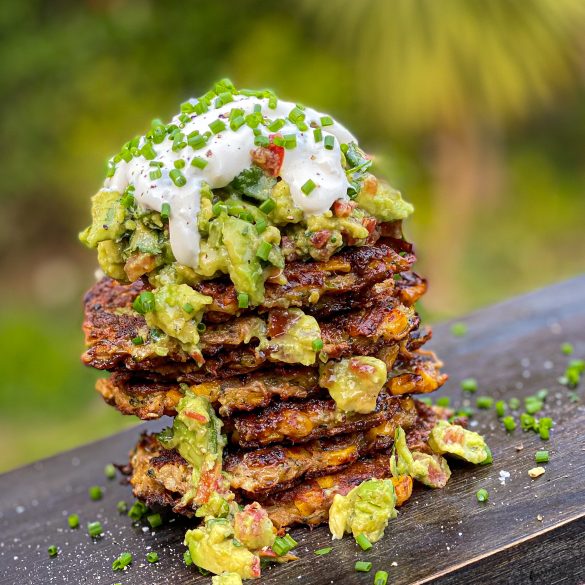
(165, 211)
(308, 187)
(217, 126)
(219, 208)
(458, 329)
(469, 385)
(323, 551)
(152, 557)
(482, 495)
(95, 529)
(122, 507)
(514, 403)
(187, 558)
(278, 140)
(261, 140)
(267, 206)
(178, 178)
(73, 521)
(188, 308)
(52, 550)
(122, 561)
(489, 457)
(542, 394)
(296, 115)
(501, 408)
(272, 102)
(363, 566)
(290, 540)
(154, 520)
(317, 134)
(144, 302)
(567, 348)
(147, 151)
(317, 344)
(237, 122)
(329, 142)
(243, 300)
(178, 141)
(179, 163)
(155, 174)
(443, 401)
(201, 327)
(281, 546)
(137, 511)
(127, 200)
(95, 492)
(509, 423)
(380, 578)
(484, 402)
(276, 125)
(326, 121)
(541, 457)
(533, 404)
(264, 250)
(363, 542)
(290, 141)
(199, 162)
(302, 126)
(261, 225)
(110, 471)
(527, 422)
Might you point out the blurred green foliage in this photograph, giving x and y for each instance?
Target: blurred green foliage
(474, 109)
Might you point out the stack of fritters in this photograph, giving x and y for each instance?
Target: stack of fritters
(288, 445)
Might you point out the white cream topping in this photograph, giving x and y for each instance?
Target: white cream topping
(228, 153)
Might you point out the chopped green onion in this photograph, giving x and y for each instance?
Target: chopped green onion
(308, 187)
(73, 521)
(201, 327)
(179, 141)
(217, 126)
(95, 492)
(261, 140)
(489, 457)
(329, 142)
(219, 208)
(317, 134)
(154, 520)
(199, 162)
(567, 348)
(514, 403)
(127, 200)
(186, 108)
(290, 141)
(122, 507)
(144, 302)
(469, 385)
(267, 206)
(458, 329)
(317, 344)
(237, 122)
(147, 151)
(137, 511)
(110, 471)
(326, 121)
(276, 125)
(501, 408)
(544, 433)
(152, 557)
(363, 566)
(165, 211)
(94, 529)
(363, 542)
(179, 163)
(188, 308)
(261, 225)
(484, 402)
(122, 561)
(52, 550)
(542, 394)
(290, 540)
(509, 423)
(281, 545)
(381, 578)
(187, 558)
(155, 174)
(178, 178)
(482, 495)
(278, 140)
(323, 551)
(527, 422)
(197, 141)
(243, 300)
(443, 401)
(532, 404)
(541, 457)
(264, 250)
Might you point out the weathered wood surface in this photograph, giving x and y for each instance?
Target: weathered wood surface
(531, 531)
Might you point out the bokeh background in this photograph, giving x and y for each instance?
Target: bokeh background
(475, 110)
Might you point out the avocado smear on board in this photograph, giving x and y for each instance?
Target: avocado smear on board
(366, 510)
(354, 383)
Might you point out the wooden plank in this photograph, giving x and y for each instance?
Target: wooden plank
(512, 349)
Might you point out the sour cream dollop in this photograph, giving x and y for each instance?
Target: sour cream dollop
(227, 153)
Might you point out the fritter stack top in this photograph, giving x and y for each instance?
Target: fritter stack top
(257, 287)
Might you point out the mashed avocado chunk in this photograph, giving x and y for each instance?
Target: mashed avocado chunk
(365, 510)
(448, 439)
(111, 259)
(108, 217)
(253, 528)
(196, 434)
(177, 311)
(431, 470)
(226, 579)
(382, 201)
(354, 383)
(214, 548)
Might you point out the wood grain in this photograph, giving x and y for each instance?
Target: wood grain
(444, 536)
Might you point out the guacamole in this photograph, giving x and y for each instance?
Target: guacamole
(354, 383)
(366, 510)
(226, 579)
(454, 440)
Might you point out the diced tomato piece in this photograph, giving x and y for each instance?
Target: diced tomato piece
(196, 416)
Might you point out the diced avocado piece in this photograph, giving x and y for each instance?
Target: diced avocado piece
(196, 435)
(448, 439)
(108, 216)
(431, 470)
(254, 182)
(226, 579)
(366, 510)
(170, 315)
(253, 528)
(354, 383)
(351, 225)
(385, 204)
(111, 260)
(295, 345)
(214, 549)
(144, 239)
(285, 210)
